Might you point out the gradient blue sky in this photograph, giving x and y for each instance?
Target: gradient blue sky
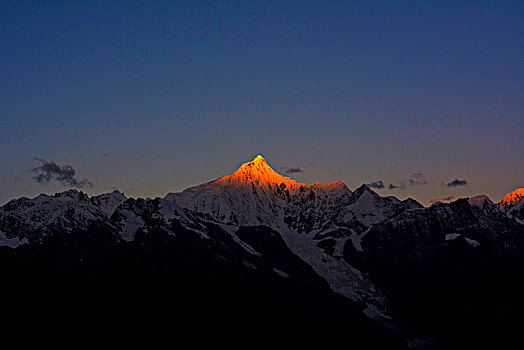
(156, 97)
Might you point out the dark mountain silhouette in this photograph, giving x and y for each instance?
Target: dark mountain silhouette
(257, 253)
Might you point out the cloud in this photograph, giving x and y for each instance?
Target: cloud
(417, 179)
(401, 186)
(457, 182)
(442, 199)
(105, 155)
(63, 174)
(292, 170)
(376, 184)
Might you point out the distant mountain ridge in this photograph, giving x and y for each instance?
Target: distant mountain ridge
(513, 203)
(263, 226)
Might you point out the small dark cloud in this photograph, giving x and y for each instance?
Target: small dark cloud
(292, 170)
(105, 155)
(400, 186)
(457, 182)
(376, 184)
(442, 199)
(49, 170)
(417, 179)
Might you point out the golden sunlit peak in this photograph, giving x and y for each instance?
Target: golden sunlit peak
(511, 198)
(258, 171)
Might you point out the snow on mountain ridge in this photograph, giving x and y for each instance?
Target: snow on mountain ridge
(64, 211)
(317, 222)
(255, 194)
(108, 202)
(480, 201)
(35, 218)
(512, 199)
(259, 172)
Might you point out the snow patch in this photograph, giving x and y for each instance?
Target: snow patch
(343, 278)
(281, 273)
(11, 242)
(132, 224)
(339, 247)
(249, 265)
(356, 239)
(373, 312)
(472, 242)
(452, 236)
(232, 231)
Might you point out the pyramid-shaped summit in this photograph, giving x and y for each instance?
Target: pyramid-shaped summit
(255, 194)
(259, 172)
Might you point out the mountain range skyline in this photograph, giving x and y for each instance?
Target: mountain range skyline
(258, 172)
(418, 99)
(50, 172)
(258, 248)
(343, 171)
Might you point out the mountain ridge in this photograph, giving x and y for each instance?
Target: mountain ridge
(357, 244)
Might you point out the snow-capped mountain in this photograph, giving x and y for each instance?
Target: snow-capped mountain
(511, 199)
(258, 225)
(31, 220)
(449, 266)
(108, 202)
(255, 194)
(513, 203)
(306, 216)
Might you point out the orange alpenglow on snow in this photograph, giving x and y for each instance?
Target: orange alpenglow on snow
(511, 198)
(259, 172)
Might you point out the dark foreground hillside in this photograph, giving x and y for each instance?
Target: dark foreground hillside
(144, 290)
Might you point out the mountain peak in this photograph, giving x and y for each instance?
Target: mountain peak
(511, 199)
(364, 188)
(259, 172)
(72, 194)
(259, 158)
(480, 200)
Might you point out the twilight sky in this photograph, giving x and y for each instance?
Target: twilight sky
(154, 98)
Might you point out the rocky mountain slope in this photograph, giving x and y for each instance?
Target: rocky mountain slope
(316, 255)
(513, 203)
